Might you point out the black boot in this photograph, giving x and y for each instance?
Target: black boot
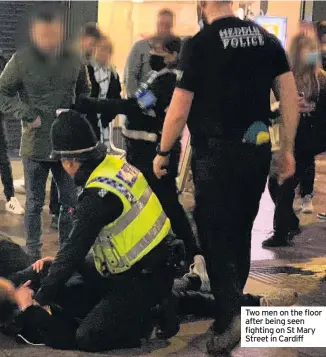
(278, 240)
(167, 320)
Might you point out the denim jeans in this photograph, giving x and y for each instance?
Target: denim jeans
(36, 174)
(5, 166)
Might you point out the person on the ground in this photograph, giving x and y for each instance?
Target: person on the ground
(310, 140)
(142, 131)
(228, 71)
(120, 218)
(72, 303)
(89, 37)
(138, 66)
(105, 84)
(45, 75)
(12, 204)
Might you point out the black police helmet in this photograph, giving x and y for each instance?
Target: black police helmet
(72, 136)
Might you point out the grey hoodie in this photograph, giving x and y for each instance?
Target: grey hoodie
(137, 66)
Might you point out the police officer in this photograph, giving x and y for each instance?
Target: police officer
(228, 70)
(145, 118)
(120, 218)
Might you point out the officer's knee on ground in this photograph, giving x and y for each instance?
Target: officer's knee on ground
(85, 340)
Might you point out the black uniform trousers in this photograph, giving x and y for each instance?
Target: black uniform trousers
(141, 155)
(310, 141)
(115, 311)
(229, 180)
(285, 220)
(5, 166)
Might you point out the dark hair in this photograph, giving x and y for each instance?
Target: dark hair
(171, 44)
(166, 12)
(47, 13)
(91, 30)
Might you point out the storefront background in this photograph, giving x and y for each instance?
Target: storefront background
(126, 22)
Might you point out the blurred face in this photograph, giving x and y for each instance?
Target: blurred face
(323, 41)
(170, 58)
(47, 36)
(103, 52)
(160, 59)
(6, 288)
(88, 45)
(71, 166)
(164, 25)
(309, 56)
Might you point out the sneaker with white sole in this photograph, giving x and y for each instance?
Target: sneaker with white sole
(307, 206)
(19, 186)
(198, 267)
(281, 297)
(321, 216)
(13, 206)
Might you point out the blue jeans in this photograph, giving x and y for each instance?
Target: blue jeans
(36, 174)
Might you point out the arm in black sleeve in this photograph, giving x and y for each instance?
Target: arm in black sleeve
(37, 326)
(92, 214)
(106, 107)
(278, 61)
(190, 65)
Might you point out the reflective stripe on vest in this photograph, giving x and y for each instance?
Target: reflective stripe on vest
(142, 224)
(139, 135)
(148, 238)
(131, 214)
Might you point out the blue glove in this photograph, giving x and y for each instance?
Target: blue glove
(146, 99)
(257, 134)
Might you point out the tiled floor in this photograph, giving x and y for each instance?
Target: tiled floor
(302, 266)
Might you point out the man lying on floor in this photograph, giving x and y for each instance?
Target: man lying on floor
(20, 317)
(55, 326)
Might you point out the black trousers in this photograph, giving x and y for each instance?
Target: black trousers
(5, 166)
(141, 154)
(54, 205)
(116, 311)
(229, 180)
(308, 179)
(285, 219)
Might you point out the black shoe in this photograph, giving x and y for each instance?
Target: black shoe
(55, 222)
(167, 320)
(277, 240)
(295, 232)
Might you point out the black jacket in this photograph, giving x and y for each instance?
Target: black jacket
(162, 88)
(114, 92)
(93, 212)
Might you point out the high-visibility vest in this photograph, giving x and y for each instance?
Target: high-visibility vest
(142, 224)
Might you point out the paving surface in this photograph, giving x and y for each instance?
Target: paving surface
(302, 267)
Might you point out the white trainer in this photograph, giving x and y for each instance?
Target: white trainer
(199, 268)
(307, 206)
(19, 186)
(13, 206)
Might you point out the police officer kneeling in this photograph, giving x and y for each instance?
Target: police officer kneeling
(120, 218)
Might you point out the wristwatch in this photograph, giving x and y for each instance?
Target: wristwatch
(162, 153)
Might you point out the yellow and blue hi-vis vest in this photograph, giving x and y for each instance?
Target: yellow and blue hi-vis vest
(142, 224)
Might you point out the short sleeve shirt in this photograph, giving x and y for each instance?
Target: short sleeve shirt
(230, 67)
